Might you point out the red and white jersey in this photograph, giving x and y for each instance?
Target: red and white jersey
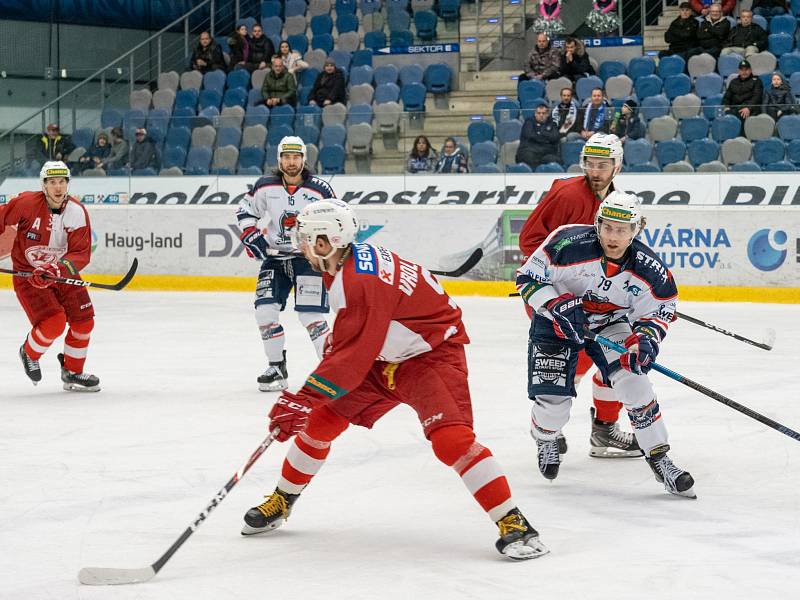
(46, 236)
(387, 309)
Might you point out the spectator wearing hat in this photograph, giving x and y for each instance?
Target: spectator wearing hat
(566, 114)
(54, 146)
(118, 156)
(143, 152)
(628, 123)
(329, 87)
(769, 8)
(681, 35)
(778, 98)
(538, 141)
(745, 93)
(703, 7)
(713, 32)
(279, 85)
(94, 156)
(747, 38)
(207, 55)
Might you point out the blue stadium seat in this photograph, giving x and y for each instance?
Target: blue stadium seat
(359, 113)
(401, 39)
(671, 65)
(611, 68)
(185, 98)
(643, 168)
(480, 131)
(530, 89)
(640, 66)
(637, 152)
(111, 117)
(789, 64)
(585, 85)
(483, 153)
(298, 42)
(508, 131)
(368, 7)
(271, 156)
(342, 60)
(783, 24)
(179, 137)
(362, 74)
(308, 133)
(281, 115)
(295, 8)
(747, 166)
(309, 115)
(726, 128)
(551, 167)
(276, 133)
(728, 64)
(518, 168)
(361, 57)
(183, 117)
(272, 26)
(157, 124)
(677, 85)
(708, 84)
(374, 40)
(413, 97)
(251, 157)
(256, 115)
(254, 97)
(450, 10)
(386, 74)
(332, 135)
(235, 97)
(505, 110)
(321, 24)
(793, 151)
(702, 151)
(768, 151)
(425, 21)
(789, 127)
(780, 43)
(387, 92)
(712, 107)
(132, 120)
(146, 172)
(397, 5)
(343, 6)
(487, 168)
(694, 128)
(198, 161)
(437, 78)
(215, 80)
(84, 137)
(571, 152)
(322, 41)
(209, 98)
(308, 77)
(410, 74)
(240, 78)
(173, 156)
(331, 160)
(346, 22)
(399, 21)
(228, 136)
(647, 86)
(271, 8)
(253, 171)
(781, 165)
(670, 151)
(654, 106)
(206, 116)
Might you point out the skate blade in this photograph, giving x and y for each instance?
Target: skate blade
(685, 494)
(271, 387)
(247, 530)
(608, 452)
(74, 387)
(531, 549)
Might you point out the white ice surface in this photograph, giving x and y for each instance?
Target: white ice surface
(111, 479)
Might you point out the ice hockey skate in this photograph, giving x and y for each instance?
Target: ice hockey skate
(274, 378)
(676, 480)
(549, 458)
(607, 440)
(518, 539)
(78, 382)
(270, 514)
(32, 369)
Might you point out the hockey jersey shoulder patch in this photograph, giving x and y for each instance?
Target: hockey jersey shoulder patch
(366, 262)
(320, 186)
(572, 244)
(648, 267)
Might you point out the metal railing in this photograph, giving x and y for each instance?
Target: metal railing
(497, 15)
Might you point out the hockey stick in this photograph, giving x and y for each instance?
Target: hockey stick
(769, 337)
(80, 282)
(471, 261)
(109, 576)
(701, 388)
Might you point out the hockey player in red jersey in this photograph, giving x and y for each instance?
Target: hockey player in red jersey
(576, 200)
(53, 239)
(397, 338)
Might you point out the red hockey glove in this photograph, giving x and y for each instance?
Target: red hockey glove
(290, 413)
(50, 270)
(568, 317)
(642, 351)
(255, 243)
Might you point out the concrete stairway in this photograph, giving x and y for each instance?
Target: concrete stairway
(654, 34)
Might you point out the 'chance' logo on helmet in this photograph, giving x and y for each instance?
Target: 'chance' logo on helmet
(292, 148)
(56, 173)
(596, 151)
(617, 214)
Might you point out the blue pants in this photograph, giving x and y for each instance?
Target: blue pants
(279, 277)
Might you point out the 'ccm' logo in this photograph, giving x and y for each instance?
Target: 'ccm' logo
(433, 419)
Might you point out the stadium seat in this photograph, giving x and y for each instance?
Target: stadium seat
(449, 10)
(132, 120)
(728, 64)
(209, 98)
(348, 43)
(298, 43)
(331, 160)
(164, 99)
(387, 92)
(768, 151)
(387, 117)
(736, 150)
(368, 7)
(308, 115)
(553, 88)
(437, 78)
(483, 153)
(271, 8)
(677, 85)
(332, 135)
(781, 165)
(224, 160)
(187, 98)
(359, 75)
(84, 137)
(662, 128)
(411, 74)
(694, 128)
(619, 87)
(747, 166)
(425, 22)
(254, 136)
(611, 68)
(179, 137)
(254, 171)
(671, 65)
(708, 84)
(686, 106)
(637, 152)
(272, 26)
(235, 97)
(793, 152)
(214, 80)
(256, 115)
(251, 157)
(398, 21)
(783, 24)
(641, 66)
(780, 43)
(654, 106)
(571, 152)
(169, 80)
(386, 74)
(763, 63)
(228, 136)
(505, 110)
(361, 94)
(239, 78)
(712, 107)
(361, 58)
(321, 24)
(551, 167)
(643, 168)
(789, 127)
(413, 97)
(334, 114)
(647, 86)
(487, 168)
(670, 151)
(713, 166)
(518, 168)
(140, 99)
(276, 133)
(725, 128)
(281, 115)
(191, 80)
(508, 131)
(759, 127)
(359, 139)
(678, 167)
(701, 64)
(702, 151)
(585, 85)
(359, 113)
(348, 6)
(308, 133)
(480, 131)
(173, 156)
(790, 64)
(198, 160)
(323, 41)
(374, 40)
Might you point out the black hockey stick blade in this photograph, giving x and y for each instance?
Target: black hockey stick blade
(769, 335)
(82, 283)
(467, 265)
(111, 576)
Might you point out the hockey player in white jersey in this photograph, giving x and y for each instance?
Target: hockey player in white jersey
(602, 278)
(267, 215)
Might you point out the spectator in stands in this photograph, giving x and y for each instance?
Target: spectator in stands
(681, 35)
(291, 58)
(452, 159)
(769, 8)
(544, 61)
(54, 146)
(279, 86)
(422, 158)
(778, 98)
(239, 43)
(538, 141)
(703, 7)
(261, 50)
(746, 38)
(329, 87)
(597, 115)
(207, 55)
(574, 60)
(119, 151)
(143, 152)
(628, 123)
(566, 114)
(713, 32)
(94, 156)
(745, 93)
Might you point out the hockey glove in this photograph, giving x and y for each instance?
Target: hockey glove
(47, 270)
(642, 351)
(568, 317)
(290, 413)
(255, 243)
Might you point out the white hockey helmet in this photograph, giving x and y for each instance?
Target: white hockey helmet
(53, 168)
(603, 145)
(292, 143)
(332, 218)
(621, 207)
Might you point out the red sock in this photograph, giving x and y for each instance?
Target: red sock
(605, 402)
(76, 345)
(43, 334)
